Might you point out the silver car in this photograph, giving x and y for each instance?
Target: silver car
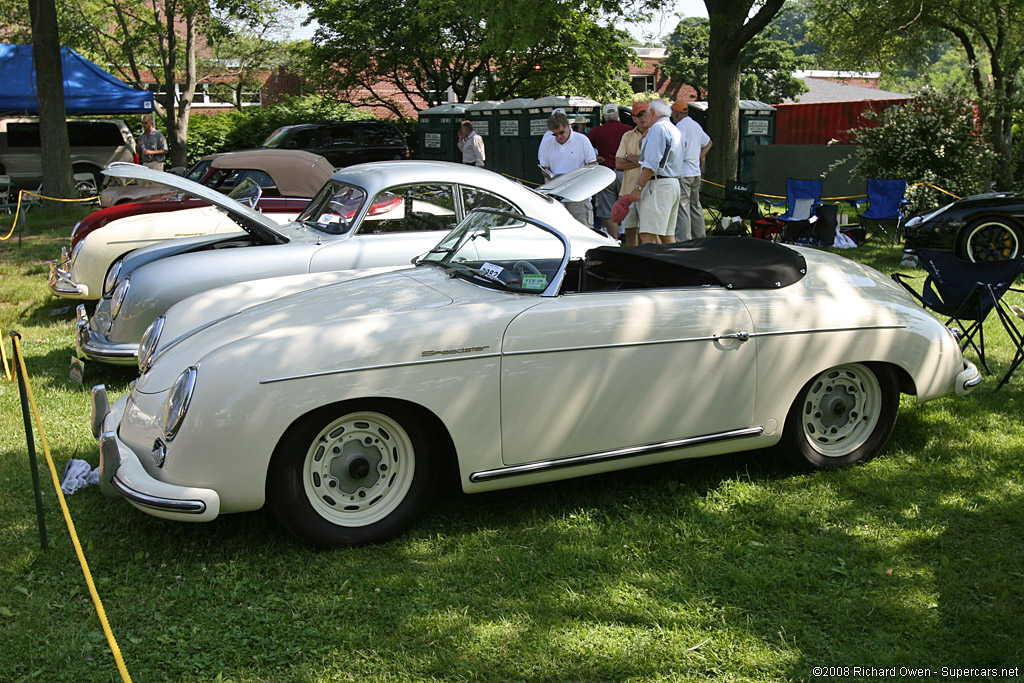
(367, 216)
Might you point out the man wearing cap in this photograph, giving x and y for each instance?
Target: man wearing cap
(696, 143)
(561, 151)
(661, 162)
(627, 162)
(605, 139)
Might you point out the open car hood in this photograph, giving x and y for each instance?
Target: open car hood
(253, 222)
(583, 183)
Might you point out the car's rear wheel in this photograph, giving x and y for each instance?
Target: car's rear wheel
(842, 417)
(990, 239)
(350, 475)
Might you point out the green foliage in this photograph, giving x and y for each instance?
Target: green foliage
(933, 138)
(989, 35)
(766, 64)
(235, 130)
(411, 52)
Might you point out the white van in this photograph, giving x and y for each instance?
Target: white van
(94, 144)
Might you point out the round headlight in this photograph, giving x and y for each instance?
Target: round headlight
(111, 279)
(150, 340)
(177, 402)
(117, 298)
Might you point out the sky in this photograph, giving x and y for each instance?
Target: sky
(662, 24)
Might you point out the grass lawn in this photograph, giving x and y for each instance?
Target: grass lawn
(734, 568)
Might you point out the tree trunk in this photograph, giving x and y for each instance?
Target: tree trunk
(731, 27)
(53, 129)
(723, 115)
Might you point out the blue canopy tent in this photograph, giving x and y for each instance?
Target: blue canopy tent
(88, 89)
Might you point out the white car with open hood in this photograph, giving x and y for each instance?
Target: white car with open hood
(506, 357)
(366, 216)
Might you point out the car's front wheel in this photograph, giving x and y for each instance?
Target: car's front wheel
(842, 417)
(350, 475)
(990, 239)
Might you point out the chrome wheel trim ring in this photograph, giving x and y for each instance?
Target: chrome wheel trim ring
(358, 469)
(841, 410)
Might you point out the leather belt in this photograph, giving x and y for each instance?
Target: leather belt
(664, 177)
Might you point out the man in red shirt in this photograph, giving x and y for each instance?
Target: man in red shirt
(605, 139)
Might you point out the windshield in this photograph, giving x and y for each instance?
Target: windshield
(247, 192)
(503, 251)
(276, 138)
(334, 208)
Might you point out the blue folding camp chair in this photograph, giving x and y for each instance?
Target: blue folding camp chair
(884, 210)
(966, 292)
(801, 198)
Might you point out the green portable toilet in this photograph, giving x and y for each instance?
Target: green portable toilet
(539, 111)
(484, 115)
(438, 132)
(513, 133)
(757, 127)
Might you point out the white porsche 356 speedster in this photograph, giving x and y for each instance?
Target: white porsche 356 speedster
(501, 353)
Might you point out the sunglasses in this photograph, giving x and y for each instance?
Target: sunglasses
(560, 133)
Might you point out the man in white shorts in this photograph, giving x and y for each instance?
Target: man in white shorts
(657, 190)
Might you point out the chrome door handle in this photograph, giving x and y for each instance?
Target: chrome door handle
(741, 335)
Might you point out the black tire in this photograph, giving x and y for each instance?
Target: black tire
(350, 474)
(990, 239)
(842, 417)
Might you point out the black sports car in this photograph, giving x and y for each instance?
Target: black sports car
(985, 227)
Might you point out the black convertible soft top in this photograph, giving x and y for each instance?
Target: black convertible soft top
(732, 262)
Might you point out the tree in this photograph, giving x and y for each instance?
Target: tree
(989, 32)
(933, 138)
(159, 39)
(733, 24)
(53, 130)
(766, 64)
(406, 52)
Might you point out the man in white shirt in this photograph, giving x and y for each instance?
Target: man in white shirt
(696, 143)
(471, 145)
(563, 150)
(661, 163)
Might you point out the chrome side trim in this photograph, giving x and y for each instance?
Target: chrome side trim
(617, 454)
(712, 338)
(404, 364)
(196, 507)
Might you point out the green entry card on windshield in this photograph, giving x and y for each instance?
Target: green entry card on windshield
(535, 281)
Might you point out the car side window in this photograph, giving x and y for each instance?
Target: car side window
(475, 198)
(226, 179)
(342, 135)
(411, 208)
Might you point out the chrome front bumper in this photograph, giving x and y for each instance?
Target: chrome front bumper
(91, 345)
(122, 474)
(60, 280)
(967, 379)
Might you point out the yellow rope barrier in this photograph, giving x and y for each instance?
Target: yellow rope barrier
(8, 371)
(111, 641)
(17, 211)
(833, 199)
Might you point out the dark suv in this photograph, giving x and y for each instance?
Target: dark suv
(343, 143)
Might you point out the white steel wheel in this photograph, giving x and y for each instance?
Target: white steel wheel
(358, 477)
(842, 417)
(358, 469)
